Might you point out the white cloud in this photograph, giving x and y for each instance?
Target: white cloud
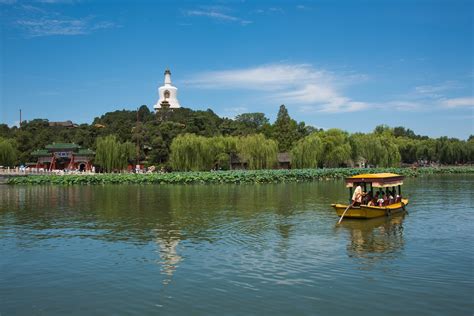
(312, 89)
(59, 25)
(56, 1)
(232, 112)
(267, 77)
(437, 90)
(430, 97)
(217, 14)
(302, 7)
(458, 102)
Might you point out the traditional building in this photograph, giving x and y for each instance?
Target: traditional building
(60, 156)
(167, 94)
(68, 124)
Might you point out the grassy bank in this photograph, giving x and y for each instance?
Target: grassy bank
(257, 176)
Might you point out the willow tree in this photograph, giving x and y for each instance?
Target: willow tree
(128, 152)
(258, 151)
(224, 147)
(191, 152)
(113, 155)
(7, 153)
(336, 147)
(377, 149)
(307, 153)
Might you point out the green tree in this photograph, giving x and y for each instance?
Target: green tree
(336, 147)
(190, 152)
(378, 149)
(258, 151)
(285, 130)
(112, 155)
(8, 154)
(307, 153)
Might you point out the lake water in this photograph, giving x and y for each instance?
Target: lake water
(234, 249)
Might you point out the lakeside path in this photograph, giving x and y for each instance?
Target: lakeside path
(234, 176)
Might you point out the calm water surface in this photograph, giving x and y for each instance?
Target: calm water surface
(234, 249)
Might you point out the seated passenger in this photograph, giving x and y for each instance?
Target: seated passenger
(391, 199)
(380, 201)
(385, 199)
(367, 198)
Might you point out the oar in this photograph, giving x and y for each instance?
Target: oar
(344, 213)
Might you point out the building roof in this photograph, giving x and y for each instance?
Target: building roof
(284, 157)
(41, 152)
(67, 123)
(62, 146)
(85, 152)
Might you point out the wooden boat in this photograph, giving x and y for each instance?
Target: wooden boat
(369, 182)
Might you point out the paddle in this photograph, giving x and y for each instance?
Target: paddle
(344, 213)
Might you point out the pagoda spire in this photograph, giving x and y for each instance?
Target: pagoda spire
(167, 76)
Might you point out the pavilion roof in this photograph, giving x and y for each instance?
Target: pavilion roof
(41, 152)
(85, 152)
(62, 146)
(284, 157)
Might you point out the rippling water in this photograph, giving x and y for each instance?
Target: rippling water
(234, 249)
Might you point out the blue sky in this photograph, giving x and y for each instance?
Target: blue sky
(346, 64)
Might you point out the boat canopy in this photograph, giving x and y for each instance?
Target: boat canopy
(378, 180)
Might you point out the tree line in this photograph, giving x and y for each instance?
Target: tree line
(183, 139)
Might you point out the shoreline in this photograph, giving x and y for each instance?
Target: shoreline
(233, 176)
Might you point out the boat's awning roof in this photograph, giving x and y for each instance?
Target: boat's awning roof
(379, 180)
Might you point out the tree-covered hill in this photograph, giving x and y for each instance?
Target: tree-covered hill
(154, 134)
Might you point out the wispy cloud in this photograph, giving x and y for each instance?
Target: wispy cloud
(218, 14)
(302, 7)
(60, 25)
(56, 1)
(458, 102)
(38, 19)
(312, 89)
(233, 111)
(437, 90)
(432, 96)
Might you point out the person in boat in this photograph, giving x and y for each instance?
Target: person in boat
(367, 198)
(357, 196)
(391, 199)
(385, 198)
(380, 200)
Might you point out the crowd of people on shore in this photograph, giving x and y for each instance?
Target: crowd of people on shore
(380, 198)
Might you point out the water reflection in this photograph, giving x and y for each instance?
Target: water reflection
(375, 239)
(168, 242)
(226, 249)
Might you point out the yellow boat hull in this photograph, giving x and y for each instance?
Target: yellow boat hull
(365, 211)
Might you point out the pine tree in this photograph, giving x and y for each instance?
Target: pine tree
(285, 130)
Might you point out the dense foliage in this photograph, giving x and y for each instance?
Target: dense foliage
(113, 155)
(236, 177)
(7, 153)
(153, 134)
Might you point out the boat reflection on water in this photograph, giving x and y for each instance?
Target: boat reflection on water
(375, 239)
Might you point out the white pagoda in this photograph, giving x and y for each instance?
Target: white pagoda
(167, 94)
